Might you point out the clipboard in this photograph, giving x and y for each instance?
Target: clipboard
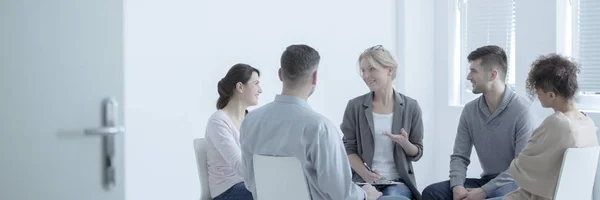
(381, 184)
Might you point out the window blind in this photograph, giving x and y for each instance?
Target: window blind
(588, 45)
(487, 22)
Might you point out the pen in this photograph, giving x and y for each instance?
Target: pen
(368, 168)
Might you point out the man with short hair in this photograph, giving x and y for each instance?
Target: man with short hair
(498, 123)
(289, 127)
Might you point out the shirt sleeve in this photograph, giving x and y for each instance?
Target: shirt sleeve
(247, 159)
(460, 159)
(331, 165)
(416, 133)
(348, 128)
(221, 135)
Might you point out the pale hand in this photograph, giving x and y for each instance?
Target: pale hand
(372, 193)
(475, 194)
(370, 177)
(459, 192)
(400, 139)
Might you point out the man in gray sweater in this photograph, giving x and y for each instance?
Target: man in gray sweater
(498, 123)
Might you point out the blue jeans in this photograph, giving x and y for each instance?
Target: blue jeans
(394, 192)
(442, 190)
(235, 192)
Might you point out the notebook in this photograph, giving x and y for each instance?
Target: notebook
(382, 182)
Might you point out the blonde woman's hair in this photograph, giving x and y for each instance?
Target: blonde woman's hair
(380, 56)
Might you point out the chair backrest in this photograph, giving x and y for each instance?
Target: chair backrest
(596, 195)
(279, 178)
(577, 174)
(200, 149)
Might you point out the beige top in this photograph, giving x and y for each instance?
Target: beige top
(537, 167)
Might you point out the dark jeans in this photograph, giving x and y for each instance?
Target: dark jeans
(395, 190)
(235, 192)
(442, 190)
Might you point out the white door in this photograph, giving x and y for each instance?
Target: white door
(59, 61)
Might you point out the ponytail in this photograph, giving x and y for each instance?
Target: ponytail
(224, 96)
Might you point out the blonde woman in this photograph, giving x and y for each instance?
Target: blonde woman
(383, 129)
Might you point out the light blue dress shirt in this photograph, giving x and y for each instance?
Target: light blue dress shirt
(289, 127)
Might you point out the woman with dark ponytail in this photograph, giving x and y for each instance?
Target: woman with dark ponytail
(238, 90)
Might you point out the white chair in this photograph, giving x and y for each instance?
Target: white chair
(577, 174)
(596, 195)
(200, 149)
(279, 178)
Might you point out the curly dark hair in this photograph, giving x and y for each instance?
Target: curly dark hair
(553, 73)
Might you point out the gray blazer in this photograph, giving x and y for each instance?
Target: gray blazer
(358, 127)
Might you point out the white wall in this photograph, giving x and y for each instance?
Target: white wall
(446, 113)
(176, 51)
(536, 34)
(416, 53)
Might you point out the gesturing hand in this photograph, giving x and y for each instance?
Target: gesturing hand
(400, 139)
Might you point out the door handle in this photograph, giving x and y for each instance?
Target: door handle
(109, 129)
(104, 131)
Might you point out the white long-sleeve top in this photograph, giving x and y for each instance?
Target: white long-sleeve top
(223, 154)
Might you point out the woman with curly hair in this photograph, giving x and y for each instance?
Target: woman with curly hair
(553, 79)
